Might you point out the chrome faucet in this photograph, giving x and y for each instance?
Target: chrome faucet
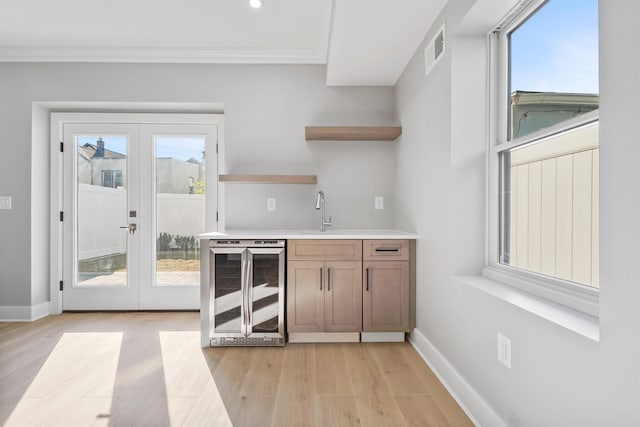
(320, 205)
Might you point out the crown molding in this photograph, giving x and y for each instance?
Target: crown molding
(141, 54)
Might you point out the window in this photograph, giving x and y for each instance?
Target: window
(545, 162)
(112, 179)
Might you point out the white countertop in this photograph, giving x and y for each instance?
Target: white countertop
(309, 234)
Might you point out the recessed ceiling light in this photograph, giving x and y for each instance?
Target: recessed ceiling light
(255, 3)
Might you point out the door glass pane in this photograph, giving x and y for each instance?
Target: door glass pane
(228, 293)
(179, 208)
(265, 310)
(101, 209)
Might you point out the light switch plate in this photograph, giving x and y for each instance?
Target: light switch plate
(379, 203)
(271, 204)
(5, 202)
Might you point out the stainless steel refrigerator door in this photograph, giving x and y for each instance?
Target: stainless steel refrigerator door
(228, 309)
(265, 293)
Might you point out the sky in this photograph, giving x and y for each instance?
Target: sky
(556, 50)
(175, 147)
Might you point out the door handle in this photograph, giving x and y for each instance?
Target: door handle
(367, 280)
(245, 292)
(132, 228)
(328, 279)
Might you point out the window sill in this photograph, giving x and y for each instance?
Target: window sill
(564, 293)
(581, 323)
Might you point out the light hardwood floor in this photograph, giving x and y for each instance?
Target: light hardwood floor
(129, 369)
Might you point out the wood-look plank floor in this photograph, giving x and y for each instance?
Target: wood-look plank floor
(147, 369)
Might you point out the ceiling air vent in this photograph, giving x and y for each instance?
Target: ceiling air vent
(434, 51)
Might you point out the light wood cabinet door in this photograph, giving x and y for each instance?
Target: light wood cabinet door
(305, 296)
(343, 296)
(324, 250)
(385, 296)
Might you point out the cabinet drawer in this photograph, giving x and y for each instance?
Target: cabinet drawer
(392, 250)
(333, 250)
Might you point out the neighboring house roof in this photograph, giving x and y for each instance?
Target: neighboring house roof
(520, 97)
(190, 161)
(89, 150)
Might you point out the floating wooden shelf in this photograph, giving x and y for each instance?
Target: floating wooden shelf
(352, 133)
(270, 179)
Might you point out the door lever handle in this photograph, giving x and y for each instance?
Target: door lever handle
(132, 228)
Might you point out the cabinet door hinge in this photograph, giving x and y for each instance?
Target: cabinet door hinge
(61, 216)
(61, 147)
(61, 285)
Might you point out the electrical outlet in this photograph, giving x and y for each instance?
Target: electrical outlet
(504, 350)
(379, 203)
(5, 202)
(271, 204)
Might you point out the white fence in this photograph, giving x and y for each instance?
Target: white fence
(180, 214)
(554, 207)
(102, 211)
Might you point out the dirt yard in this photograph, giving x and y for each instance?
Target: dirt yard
(178, 265)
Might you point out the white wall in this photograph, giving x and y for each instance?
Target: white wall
(98, 165)
(266, 108)
(558, 378)
(39, 231)
(172, 175)
(350, 173)
(16, 224)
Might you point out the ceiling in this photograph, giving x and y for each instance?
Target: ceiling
(363, 42)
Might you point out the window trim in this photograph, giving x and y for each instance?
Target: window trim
(568, 294)
(551, 131)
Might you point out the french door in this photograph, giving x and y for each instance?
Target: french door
(135, 198)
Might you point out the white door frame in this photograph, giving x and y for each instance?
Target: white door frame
(57, 123)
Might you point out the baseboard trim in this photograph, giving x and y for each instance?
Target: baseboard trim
(382, 336)
(323, 337)
(479, 411)
(41, 310)
(26, 313)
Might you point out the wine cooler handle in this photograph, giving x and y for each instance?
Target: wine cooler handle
(244, 291)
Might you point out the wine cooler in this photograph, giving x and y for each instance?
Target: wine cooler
(246, 292)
